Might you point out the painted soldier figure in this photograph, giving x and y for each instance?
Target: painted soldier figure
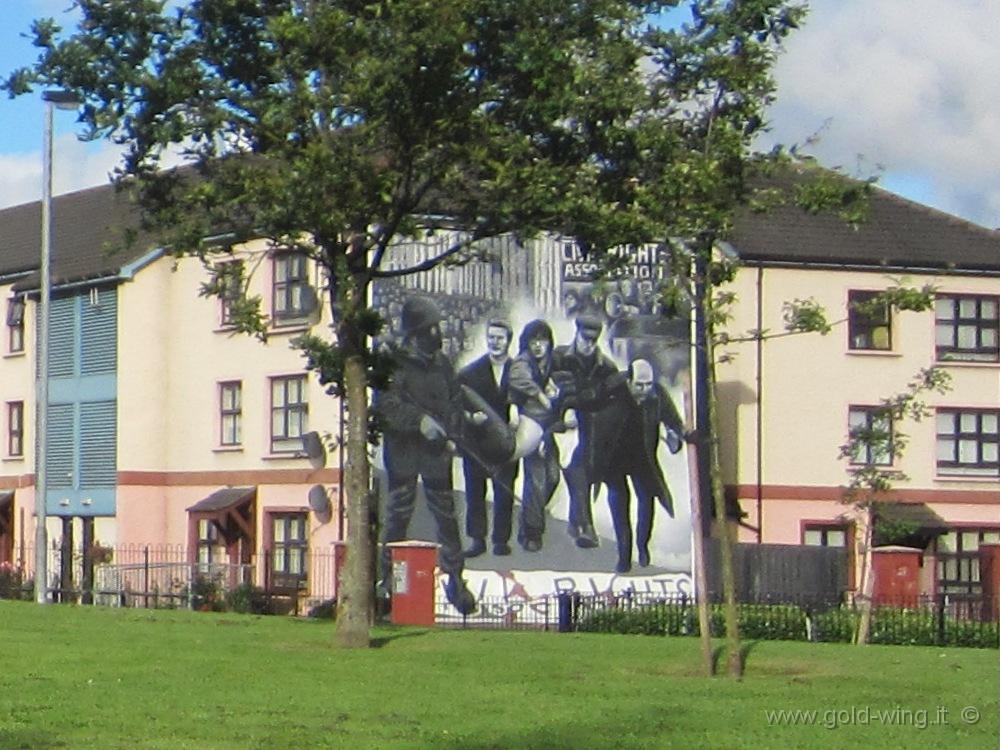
(590, 371)
(419, 411)
(488, 377)
(629, 429)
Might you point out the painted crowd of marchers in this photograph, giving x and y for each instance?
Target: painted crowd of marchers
(517, 436)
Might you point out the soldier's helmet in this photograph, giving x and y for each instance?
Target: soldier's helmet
(418, 313)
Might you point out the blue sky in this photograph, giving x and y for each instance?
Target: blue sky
(894, 88)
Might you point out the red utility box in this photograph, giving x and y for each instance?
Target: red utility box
(989, 575)
(897, 576)
(413, 582)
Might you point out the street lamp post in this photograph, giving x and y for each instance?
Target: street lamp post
(61, 100)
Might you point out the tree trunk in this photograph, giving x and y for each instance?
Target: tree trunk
(734, 648)
(864, 599)
(356, 590)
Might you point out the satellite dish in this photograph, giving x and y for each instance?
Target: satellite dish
(313, 446)
(319, 501)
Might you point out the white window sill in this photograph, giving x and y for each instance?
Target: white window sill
(228, 449)
(298, 455)
(973, 363)
(14, 355)
(12, 459)
(874, 353)
(976, 478)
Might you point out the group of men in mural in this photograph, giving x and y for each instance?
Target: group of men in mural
(430, 413)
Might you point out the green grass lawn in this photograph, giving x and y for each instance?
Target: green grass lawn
(78, 677)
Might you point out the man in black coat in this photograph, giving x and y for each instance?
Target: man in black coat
(590, 371)
(419, 411)
(629, 430)
(488, 376)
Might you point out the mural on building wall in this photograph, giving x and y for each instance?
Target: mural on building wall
(534, 425)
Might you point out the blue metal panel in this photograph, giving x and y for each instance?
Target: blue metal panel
(98, 445)
(60, 457)
(62, 337)
(99, 332)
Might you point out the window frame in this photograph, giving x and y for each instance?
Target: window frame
(15, 324)
(957, 321)
(967, 579)
(231, 414)
(287, 411)
(230, 275)
(285, 547)
(870, 459)
(207, 544)
(285, 309)
(862, 328)
(954, 466)
(15, 429)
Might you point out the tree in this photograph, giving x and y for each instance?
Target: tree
(875, 447)
(338, 129)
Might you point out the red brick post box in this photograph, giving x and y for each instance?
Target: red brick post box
(897, 576)
(413, 582)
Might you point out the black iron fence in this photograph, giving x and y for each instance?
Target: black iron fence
(927, 621)
(166, 576)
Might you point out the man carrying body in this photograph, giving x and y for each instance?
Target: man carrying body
(488, 376)
(591, 371)
(418, 412)
(629, 430)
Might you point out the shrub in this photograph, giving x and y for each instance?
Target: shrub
(247, 599)
(12, 583)
(325, 610)
(206, 594)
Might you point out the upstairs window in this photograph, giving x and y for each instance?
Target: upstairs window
(231, 413)
(15, 325)
(292, 297)
(966, 328)
(289, 410)
(968, 442)
(868, 322)
(230, 279)
(874, 432)
(15, 429)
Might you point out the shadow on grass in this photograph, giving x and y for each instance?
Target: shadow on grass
(745, 650)
(28, 739)
(384, 640)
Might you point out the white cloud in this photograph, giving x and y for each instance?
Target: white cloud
(908, 84)
(76, 165)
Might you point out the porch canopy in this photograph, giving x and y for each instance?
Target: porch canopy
(919, 523)
(232, 511)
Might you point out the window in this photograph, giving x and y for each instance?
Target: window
(967, 442)
(15, 428)
(868, 322)
(208, 542)
(231, 413)
(230, 279)
(957, 553)
(875, 430)
(822, 535)
(292, 295)
(15, 324)
(966, 328)
(288, 413)
(289, 547)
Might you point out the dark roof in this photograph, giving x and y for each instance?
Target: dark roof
(88, 236)
(90, 227)
(224, 499)
(897, 234)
